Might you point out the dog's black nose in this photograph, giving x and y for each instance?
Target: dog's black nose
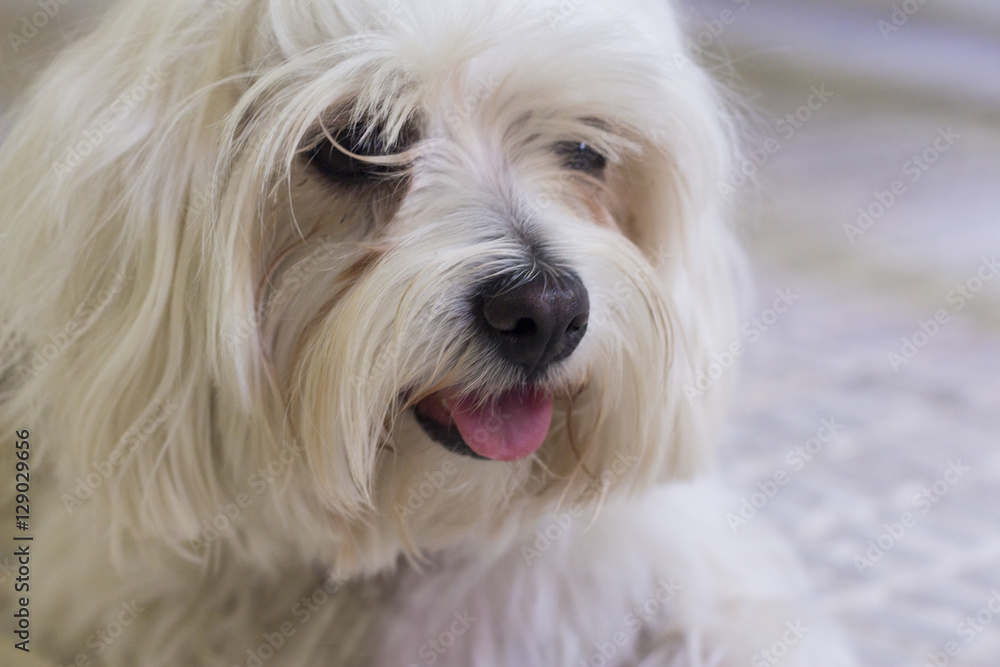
(535, 324)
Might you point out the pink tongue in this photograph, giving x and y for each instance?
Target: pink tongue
(508, 429)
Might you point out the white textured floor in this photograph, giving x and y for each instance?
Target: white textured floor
(899, 430)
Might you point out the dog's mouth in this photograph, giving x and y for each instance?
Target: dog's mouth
(509, 427)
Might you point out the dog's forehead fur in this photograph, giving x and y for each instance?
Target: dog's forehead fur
(457, 65)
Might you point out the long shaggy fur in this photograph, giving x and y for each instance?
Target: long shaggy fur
(188, 304)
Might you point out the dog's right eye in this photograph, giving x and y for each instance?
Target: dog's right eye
(361, 142)
(580, 156)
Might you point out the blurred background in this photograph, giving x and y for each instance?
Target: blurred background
(867, 415)
(876, 155)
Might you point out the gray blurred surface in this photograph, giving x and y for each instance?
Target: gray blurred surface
(25, 47)
(860, 295)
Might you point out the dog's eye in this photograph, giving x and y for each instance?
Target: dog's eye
(362, 142)
(579, 156)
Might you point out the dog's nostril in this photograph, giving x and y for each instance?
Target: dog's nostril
(524, 327)
(536, 323)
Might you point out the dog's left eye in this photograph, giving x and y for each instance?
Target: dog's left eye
(337, 164)
(579, 156)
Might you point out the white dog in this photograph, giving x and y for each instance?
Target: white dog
(351, 332)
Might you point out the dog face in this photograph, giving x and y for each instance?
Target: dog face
(465, 258)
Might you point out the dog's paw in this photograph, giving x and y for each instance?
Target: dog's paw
(743, 599)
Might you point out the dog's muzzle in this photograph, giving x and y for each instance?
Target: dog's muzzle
(531, 325)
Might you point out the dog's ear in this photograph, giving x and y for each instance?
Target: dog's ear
(674, 209)
(100, 183)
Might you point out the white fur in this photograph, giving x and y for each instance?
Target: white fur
(230, 310)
